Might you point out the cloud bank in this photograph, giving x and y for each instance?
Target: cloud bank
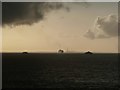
(104, 27)
(16, 13)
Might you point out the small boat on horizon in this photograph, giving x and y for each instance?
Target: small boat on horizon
(88, 52)
(60, 51)
(25, 52)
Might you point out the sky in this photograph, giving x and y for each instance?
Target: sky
(48, 27)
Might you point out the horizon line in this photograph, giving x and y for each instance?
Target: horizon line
(65, 51)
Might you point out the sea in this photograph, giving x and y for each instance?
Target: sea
(60, 70)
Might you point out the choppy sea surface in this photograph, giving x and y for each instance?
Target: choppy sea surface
(54, 70)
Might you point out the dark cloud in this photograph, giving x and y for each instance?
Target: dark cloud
(104, 27)
(15, 13)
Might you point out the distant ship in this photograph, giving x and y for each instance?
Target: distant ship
(25, 52)
(60, 51)
(88, 52)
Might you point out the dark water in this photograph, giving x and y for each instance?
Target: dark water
(60, 70)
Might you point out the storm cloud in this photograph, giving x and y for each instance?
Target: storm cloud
(104, 27)
(16, 13)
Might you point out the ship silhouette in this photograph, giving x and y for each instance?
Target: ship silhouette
(88, 52)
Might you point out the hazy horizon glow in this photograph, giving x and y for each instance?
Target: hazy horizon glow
(62, 29)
